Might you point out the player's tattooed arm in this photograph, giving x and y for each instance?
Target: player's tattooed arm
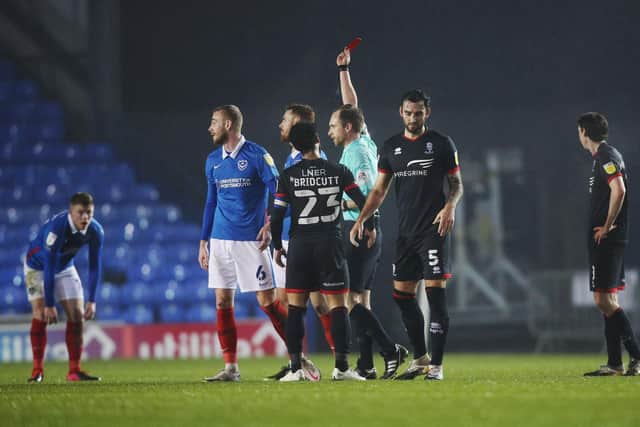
(447, 215)
(455, 188)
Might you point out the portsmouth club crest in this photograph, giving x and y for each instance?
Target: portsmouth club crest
(428, 148)
(242, 164)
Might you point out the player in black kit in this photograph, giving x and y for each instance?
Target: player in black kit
(313, 189)
(607, 237)
(420, 160)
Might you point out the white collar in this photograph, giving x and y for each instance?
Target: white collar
(74, 230)
(294, 153)
(235, 152)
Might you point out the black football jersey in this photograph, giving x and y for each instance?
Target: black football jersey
(419, 167)
(608, 164)
(313, 190)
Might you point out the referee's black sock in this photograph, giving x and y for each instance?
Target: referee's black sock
(340, 331)
(614, 346)
(413, 321)
(372, 326)
(626, 332)
(438, 323)
(364, 340)
(295, 335)
(365, 345)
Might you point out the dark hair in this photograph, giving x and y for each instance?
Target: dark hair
(232, 113)
(82, 198)
(351, 114)
(416, 95)
(303, 136)
(304, 112)
(595, 126)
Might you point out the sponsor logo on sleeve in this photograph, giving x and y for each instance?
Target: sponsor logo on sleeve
(609, 168)
(268, 159)
(51, 239)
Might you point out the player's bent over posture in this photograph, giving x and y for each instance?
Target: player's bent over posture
(51, 276)
(315, 259)
(419, 159)
(235, 233)
(607, 237)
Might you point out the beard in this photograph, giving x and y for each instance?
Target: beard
(284, 137)
(221, 139)
(414, 129)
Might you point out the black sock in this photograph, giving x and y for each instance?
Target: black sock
(626, 333)
(372, 327)
(295, 335)
(413, 321)
(340, 332)
(365, 344)
(614, 346)
(438, 323)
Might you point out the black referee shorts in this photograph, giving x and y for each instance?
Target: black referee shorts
(425, 256)
(606, 266)
(362, 261)
(317, 263)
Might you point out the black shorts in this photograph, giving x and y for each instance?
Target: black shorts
(317, 263)
(606, 266)
(426, 256)
(362, 261)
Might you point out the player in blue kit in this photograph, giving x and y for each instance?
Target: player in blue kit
(50, 275)
(347, 129)
(235, 231)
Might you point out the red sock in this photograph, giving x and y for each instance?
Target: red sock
(325, 319)
(38, 343)
(228, 334)
(73, 338)
(278, 315)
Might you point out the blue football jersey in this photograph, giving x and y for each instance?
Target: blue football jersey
(238, 190)
(55, 246)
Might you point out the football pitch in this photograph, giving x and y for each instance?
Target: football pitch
(479, 389)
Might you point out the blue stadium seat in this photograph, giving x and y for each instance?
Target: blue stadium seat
(173, 292)
(138, 315)
(98, 152)
(172, 313)
(22, 112)
(109, 294)
(51, 130)
(201, 293)
(138, 293)
(203, 313)
(7, 70)
(13, 297)
(6, 92)
(25, 90)
(49, 110)
(110, 313)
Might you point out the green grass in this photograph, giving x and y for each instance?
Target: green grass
(492, 390)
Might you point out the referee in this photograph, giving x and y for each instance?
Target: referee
(347, 129)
